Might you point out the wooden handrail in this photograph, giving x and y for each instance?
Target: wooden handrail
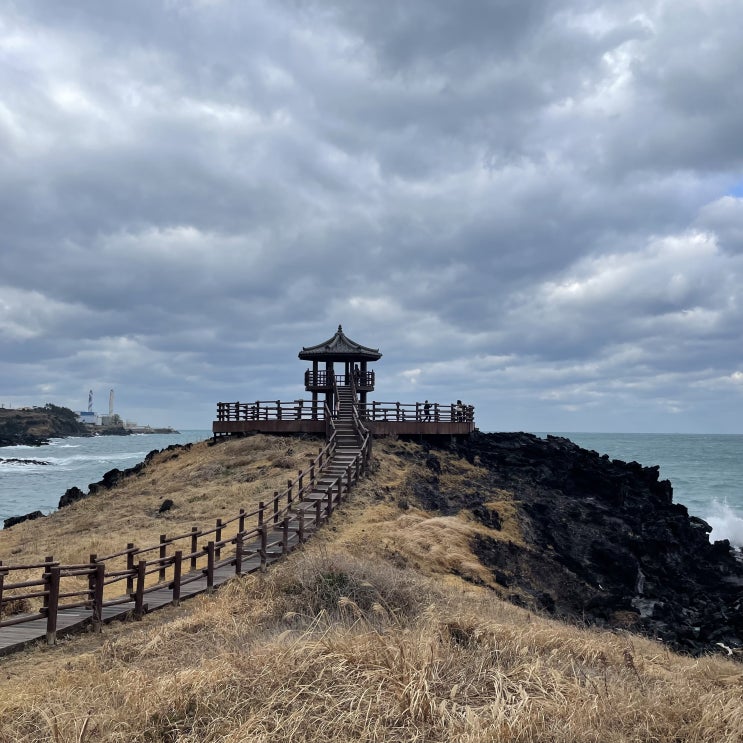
(101, 573)
(420, 412)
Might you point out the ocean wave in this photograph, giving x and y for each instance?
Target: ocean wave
(726, 523)
(92, 458)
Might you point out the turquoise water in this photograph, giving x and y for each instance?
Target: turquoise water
(706, 471)
(73, 461)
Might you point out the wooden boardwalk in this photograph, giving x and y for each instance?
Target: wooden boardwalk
(193, 583)
(348, 455)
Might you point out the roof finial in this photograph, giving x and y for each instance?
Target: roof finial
(340, 328)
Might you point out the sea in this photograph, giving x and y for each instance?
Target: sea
(705, 470)
(74, 461)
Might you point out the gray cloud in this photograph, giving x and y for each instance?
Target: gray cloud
(530, 205)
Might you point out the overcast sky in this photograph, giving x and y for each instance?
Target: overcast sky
(532, 205)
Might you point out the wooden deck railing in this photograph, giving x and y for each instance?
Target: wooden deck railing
(130, 574)
(419, 411)
(265, 410)
(269, 410)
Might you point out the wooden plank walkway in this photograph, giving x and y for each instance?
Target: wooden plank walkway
(325, 493)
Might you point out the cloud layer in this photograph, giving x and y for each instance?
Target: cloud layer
(534, 206)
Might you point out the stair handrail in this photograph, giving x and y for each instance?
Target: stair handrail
(361, 431)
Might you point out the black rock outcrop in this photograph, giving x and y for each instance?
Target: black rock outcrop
(13, 520)
(604, 541)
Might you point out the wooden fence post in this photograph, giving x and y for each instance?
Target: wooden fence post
(261, 509)
(177, 570)
(241, 521)
(300, 486)
(276, 506)
(100, 580)
(210, 567)
(130, 568)
(329, 509)
(318, 510)
(52, 596)
(238, 553)
(92, 560)
(139, 590)
(264, 546)
(47, 569)
(163, 555)
(301, 530)
(289, 496)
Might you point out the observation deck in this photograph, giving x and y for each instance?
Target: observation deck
(354, 382)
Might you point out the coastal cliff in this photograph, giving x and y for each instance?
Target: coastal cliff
(35, 426)
(599, 540)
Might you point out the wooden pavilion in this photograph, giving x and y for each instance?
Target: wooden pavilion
(344, 381)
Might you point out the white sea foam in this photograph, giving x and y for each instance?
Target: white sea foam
(109, 457)
(726, 523)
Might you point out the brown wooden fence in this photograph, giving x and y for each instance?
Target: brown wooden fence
(279, 524)
(269, 410)
(419, 411)
(276, 410)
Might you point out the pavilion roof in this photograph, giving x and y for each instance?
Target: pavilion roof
(339, 348)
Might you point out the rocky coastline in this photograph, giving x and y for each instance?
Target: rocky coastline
(35, 426)
(603, 541)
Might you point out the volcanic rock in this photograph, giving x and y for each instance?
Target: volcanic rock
(603, 540)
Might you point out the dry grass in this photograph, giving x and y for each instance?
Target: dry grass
(357, 638)
(205, 482)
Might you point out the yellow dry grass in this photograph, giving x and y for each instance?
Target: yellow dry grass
(205, 483)
(356, 637)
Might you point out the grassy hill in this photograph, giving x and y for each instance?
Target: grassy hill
(385, 627)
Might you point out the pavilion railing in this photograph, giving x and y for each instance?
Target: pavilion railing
(295, 410)
(322, 380)
(420, 411)
(269, 410)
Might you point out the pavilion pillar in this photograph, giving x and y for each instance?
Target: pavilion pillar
(362, 394)
(314, 390)
(329, 373)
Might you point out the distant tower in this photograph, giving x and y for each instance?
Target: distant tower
(111, 402)
(90, 401)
